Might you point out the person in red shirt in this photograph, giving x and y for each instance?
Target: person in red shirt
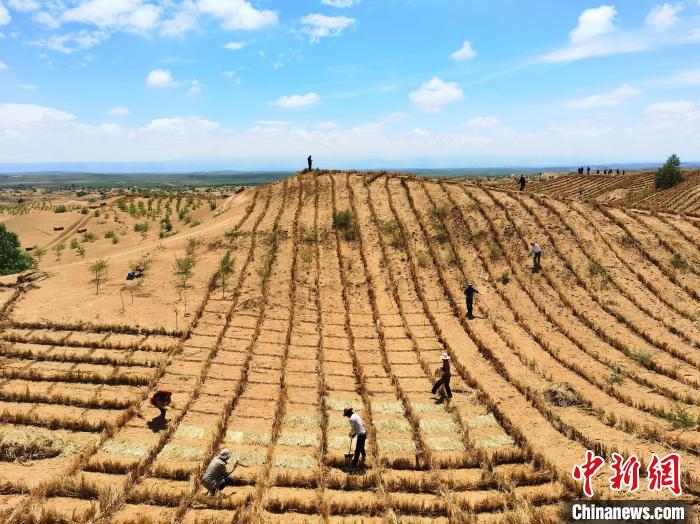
(161, 399)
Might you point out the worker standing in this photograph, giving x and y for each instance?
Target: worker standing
(469, 291)
(445, 376)
(357, 429)
(161, 399)
(217, 476)
(536, 252)
(310, 162)
(522, 182)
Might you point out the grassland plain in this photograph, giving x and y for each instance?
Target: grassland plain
(598, 351)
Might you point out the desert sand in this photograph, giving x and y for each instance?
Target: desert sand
(598, 350)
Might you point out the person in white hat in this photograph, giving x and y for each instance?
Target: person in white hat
(445, 376)
(536, 253)
(217, 476)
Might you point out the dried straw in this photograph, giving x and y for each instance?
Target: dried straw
(483, 421)
(182, 452)
(444, 444)
(293, 438)
(397, 446)
(192, 432)
(440, 425)
(288, 461)
(242, 437)
(387, 407)
(125, 448)
(495, 442)
(393, 425)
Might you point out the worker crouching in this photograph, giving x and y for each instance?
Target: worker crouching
(217, 477)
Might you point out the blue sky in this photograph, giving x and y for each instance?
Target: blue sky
(423, 83)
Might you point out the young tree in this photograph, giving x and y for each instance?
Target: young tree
(12, 258)
(99, 269)
(669, 174)
(225, 269)
(184, 268)
(58, 248)
(192, 245)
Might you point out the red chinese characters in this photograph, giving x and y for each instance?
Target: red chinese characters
(587, 470)
(626, 473)
(662, 473)
(665, 473)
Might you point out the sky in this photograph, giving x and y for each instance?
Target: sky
(261, 84)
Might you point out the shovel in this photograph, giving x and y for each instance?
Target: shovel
(349, 456)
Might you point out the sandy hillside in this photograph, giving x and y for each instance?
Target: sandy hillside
(598, 350)
(634, 190)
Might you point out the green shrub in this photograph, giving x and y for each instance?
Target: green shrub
(669, 174)
(12, 258)
(60, 209)
(88, 237)
(678, 262)
(141, 227)
(342, 219)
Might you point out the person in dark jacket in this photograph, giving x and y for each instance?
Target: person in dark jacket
(310, 162)
(536, 254)
(469, 291)
(445, 376)
(522, 182)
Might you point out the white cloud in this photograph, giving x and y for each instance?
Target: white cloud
(594, 22)
(297, 101)
(195, 88)
(4, 15)
(161, 78)
(3, 65)
(420, 133)
(671, 108)
(340, 3)
(181, 125)
(119, 111)
(628, 43)
(238, 14)
(484, 121)
(24, 5)
(434, 94)
(128, 15)
(608, 99)
(466, 52)
(233, 76)
(388, 87)
(29, 87)
(327, 126)
(183, 21)
(12, 115)
(71, 42)
(689, 77)
(45, 18)
(663, 17)
(319, 26)
(235, 46)
(39, 134)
